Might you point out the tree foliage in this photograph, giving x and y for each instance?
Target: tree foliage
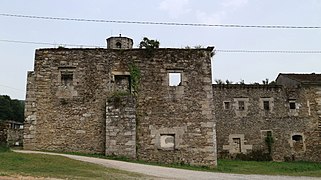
(11, 109)
(149, 43)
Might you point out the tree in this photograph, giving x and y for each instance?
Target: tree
(5, 108)
(11, 109)
(149, 43)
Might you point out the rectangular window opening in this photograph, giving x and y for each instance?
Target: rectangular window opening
(297, 138)
(237, 144)
(241, 105)
(175, 79)
(67, 78)
(122, 83)
(227, 105)
(266, 105)
(292, 105)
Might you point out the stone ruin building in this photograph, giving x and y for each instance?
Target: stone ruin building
(11, 133)
(289, 112)
(154, 105)
(160, 105)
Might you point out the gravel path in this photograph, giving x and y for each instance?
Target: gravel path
(169, 173)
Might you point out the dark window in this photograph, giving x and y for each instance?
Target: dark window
(266, 105)
(122, 83)
(241, 105)
(118, 45)
(67, 78)
(292, 104)
(297, 138)
(227, 105)
(269, 133)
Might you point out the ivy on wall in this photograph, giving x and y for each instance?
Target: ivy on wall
(134, 78)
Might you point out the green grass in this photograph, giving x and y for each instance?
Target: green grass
(270, 168)
(240, 167)
(12, 163)
(40, 165)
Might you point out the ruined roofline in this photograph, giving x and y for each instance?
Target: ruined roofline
(246, 86)
(209, 48)
(303, 78)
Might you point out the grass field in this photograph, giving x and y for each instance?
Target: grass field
(270, 168)
(38, 165)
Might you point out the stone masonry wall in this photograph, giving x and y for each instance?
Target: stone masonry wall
(244, 130)
(121, 126)
(15, 137)
(66, 110)
(312, 97)
(29, 141)
(10, 133)
(3, 133)
(176, 123)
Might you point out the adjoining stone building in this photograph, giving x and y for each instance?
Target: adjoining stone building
(11, 133)
(289, 112)
(154, 105)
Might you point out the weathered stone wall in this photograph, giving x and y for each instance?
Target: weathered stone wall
(11, 133)
(176, 123)
(244, 133)
(15, 137)
(3, 133)
(30, 123)
(311, 101)
(121, 126)
(66, 102)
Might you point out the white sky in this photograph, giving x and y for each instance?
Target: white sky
(17, 59)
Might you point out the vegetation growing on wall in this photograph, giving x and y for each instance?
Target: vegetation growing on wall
(134, 78)
(11, 109)
(269, 141)
(150, 45)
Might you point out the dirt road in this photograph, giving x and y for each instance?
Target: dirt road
(169, 173)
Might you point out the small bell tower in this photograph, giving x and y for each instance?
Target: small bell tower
(119, 43)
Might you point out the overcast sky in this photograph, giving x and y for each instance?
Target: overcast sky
(16, 59)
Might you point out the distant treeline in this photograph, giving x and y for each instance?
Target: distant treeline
(11, 109)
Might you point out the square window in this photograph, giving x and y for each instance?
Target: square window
(292, 105)
(227, 105)
(266, 105)
(175, 79)
(67, 78)
(122, 83)
(241, 105)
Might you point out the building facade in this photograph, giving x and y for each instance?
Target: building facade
(11, 133)
(288, 112)
(160, 105)
(152, 105)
